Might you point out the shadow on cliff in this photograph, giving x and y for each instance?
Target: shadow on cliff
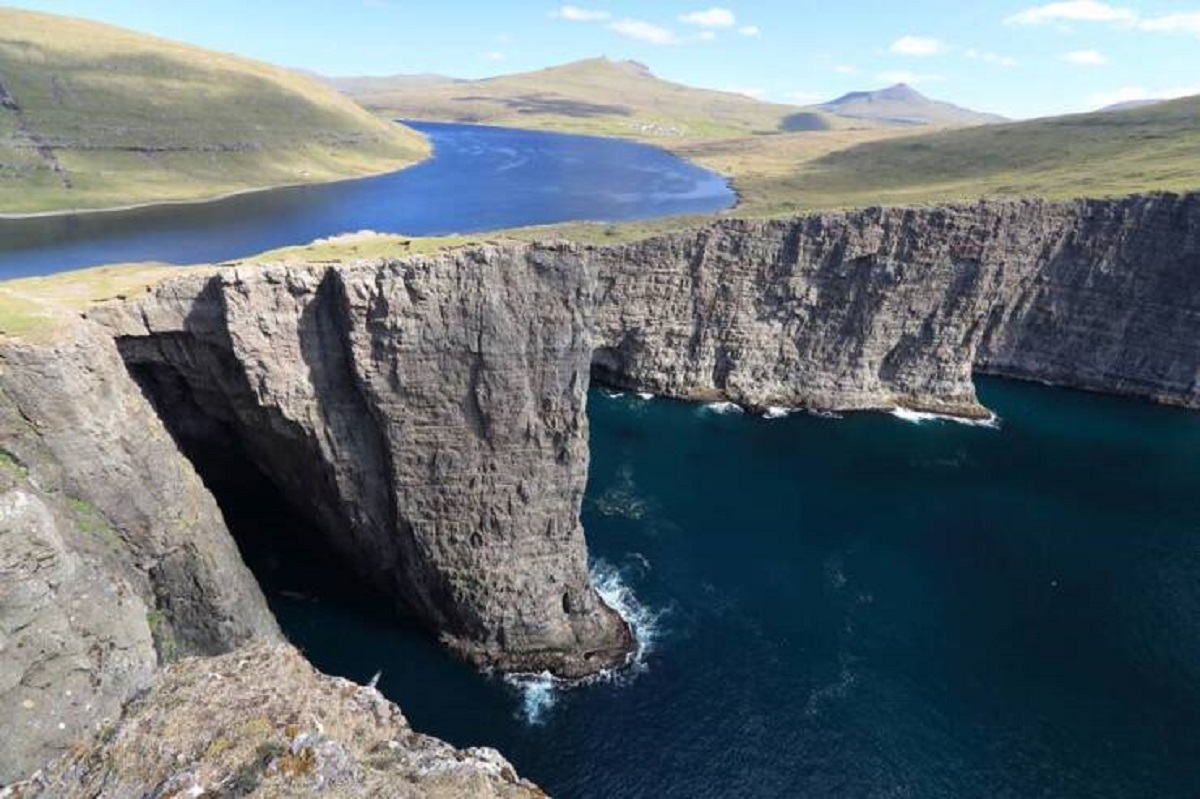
(201, 394)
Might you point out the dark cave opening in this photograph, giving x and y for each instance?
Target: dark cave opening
(288, 553)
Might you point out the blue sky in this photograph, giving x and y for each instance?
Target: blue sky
(1017, 58)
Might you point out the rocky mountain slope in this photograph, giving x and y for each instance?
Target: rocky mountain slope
(96, 116)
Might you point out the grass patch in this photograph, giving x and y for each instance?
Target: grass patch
(35, 308)
(98, 117)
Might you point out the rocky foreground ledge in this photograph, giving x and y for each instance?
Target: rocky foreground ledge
(261, 722)
(428, 416)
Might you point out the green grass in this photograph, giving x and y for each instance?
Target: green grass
(1156, 148)
(105, 117)
(35, 308)
(596, 96)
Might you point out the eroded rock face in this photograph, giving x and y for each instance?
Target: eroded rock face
(113, 556)
(428, 415)
(898, 307)
(262, 722)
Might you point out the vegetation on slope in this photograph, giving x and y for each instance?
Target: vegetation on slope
(1154, 148)
(94, 116)
(595, 96)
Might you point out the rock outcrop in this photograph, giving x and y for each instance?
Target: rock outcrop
(881, 308)
(261, 722)
(113, 556)
(427, 415)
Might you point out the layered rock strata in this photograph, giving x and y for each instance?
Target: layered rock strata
(881, 308)
(427, 415)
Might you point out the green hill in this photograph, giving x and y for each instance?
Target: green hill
(1152, 148)
(616, 98)
(94, 116)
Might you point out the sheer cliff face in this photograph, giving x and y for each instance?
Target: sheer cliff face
(113, 556)
(427, 415)
(896, 307)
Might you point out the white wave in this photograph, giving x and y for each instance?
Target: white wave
(645, 622)
(723, 407)
(612, 394)
(645, 395)
(921, 417)
(776, 412)
(540, 692)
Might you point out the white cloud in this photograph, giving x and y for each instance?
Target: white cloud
(1085, 58)
(710, 18)
(911, 78)
(1173, 23)
(1073, 11)
(991, 58)
(1133, 93)
(750, 30)
(642, 31)
(577, 14)
(1187, 22)
(706, 36)
(846, 69)
(918, 46)
(493, 55)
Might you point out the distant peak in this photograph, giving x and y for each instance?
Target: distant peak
(636, 67)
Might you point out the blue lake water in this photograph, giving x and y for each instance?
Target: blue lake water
(859, 607)
(480, 178)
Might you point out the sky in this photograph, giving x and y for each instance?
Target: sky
(1013, 57)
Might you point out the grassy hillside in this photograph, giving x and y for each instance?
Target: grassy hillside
(594, 96)
(95, 116)
(1155, 148)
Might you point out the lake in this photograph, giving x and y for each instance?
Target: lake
(855, 607)
(479, 178)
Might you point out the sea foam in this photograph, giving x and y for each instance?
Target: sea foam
(723, 407)
(921, 417)
(541, 692)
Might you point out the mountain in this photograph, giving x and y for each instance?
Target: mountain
(903, 105)
(95, 116)
(620, 98)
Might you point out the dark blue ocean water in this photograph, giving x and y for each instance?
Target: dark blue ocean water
(859, 607)
(480, 178)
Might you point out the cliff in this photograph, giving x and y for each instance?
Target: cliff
(113, 556)
(427, 415)
(880, 308)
